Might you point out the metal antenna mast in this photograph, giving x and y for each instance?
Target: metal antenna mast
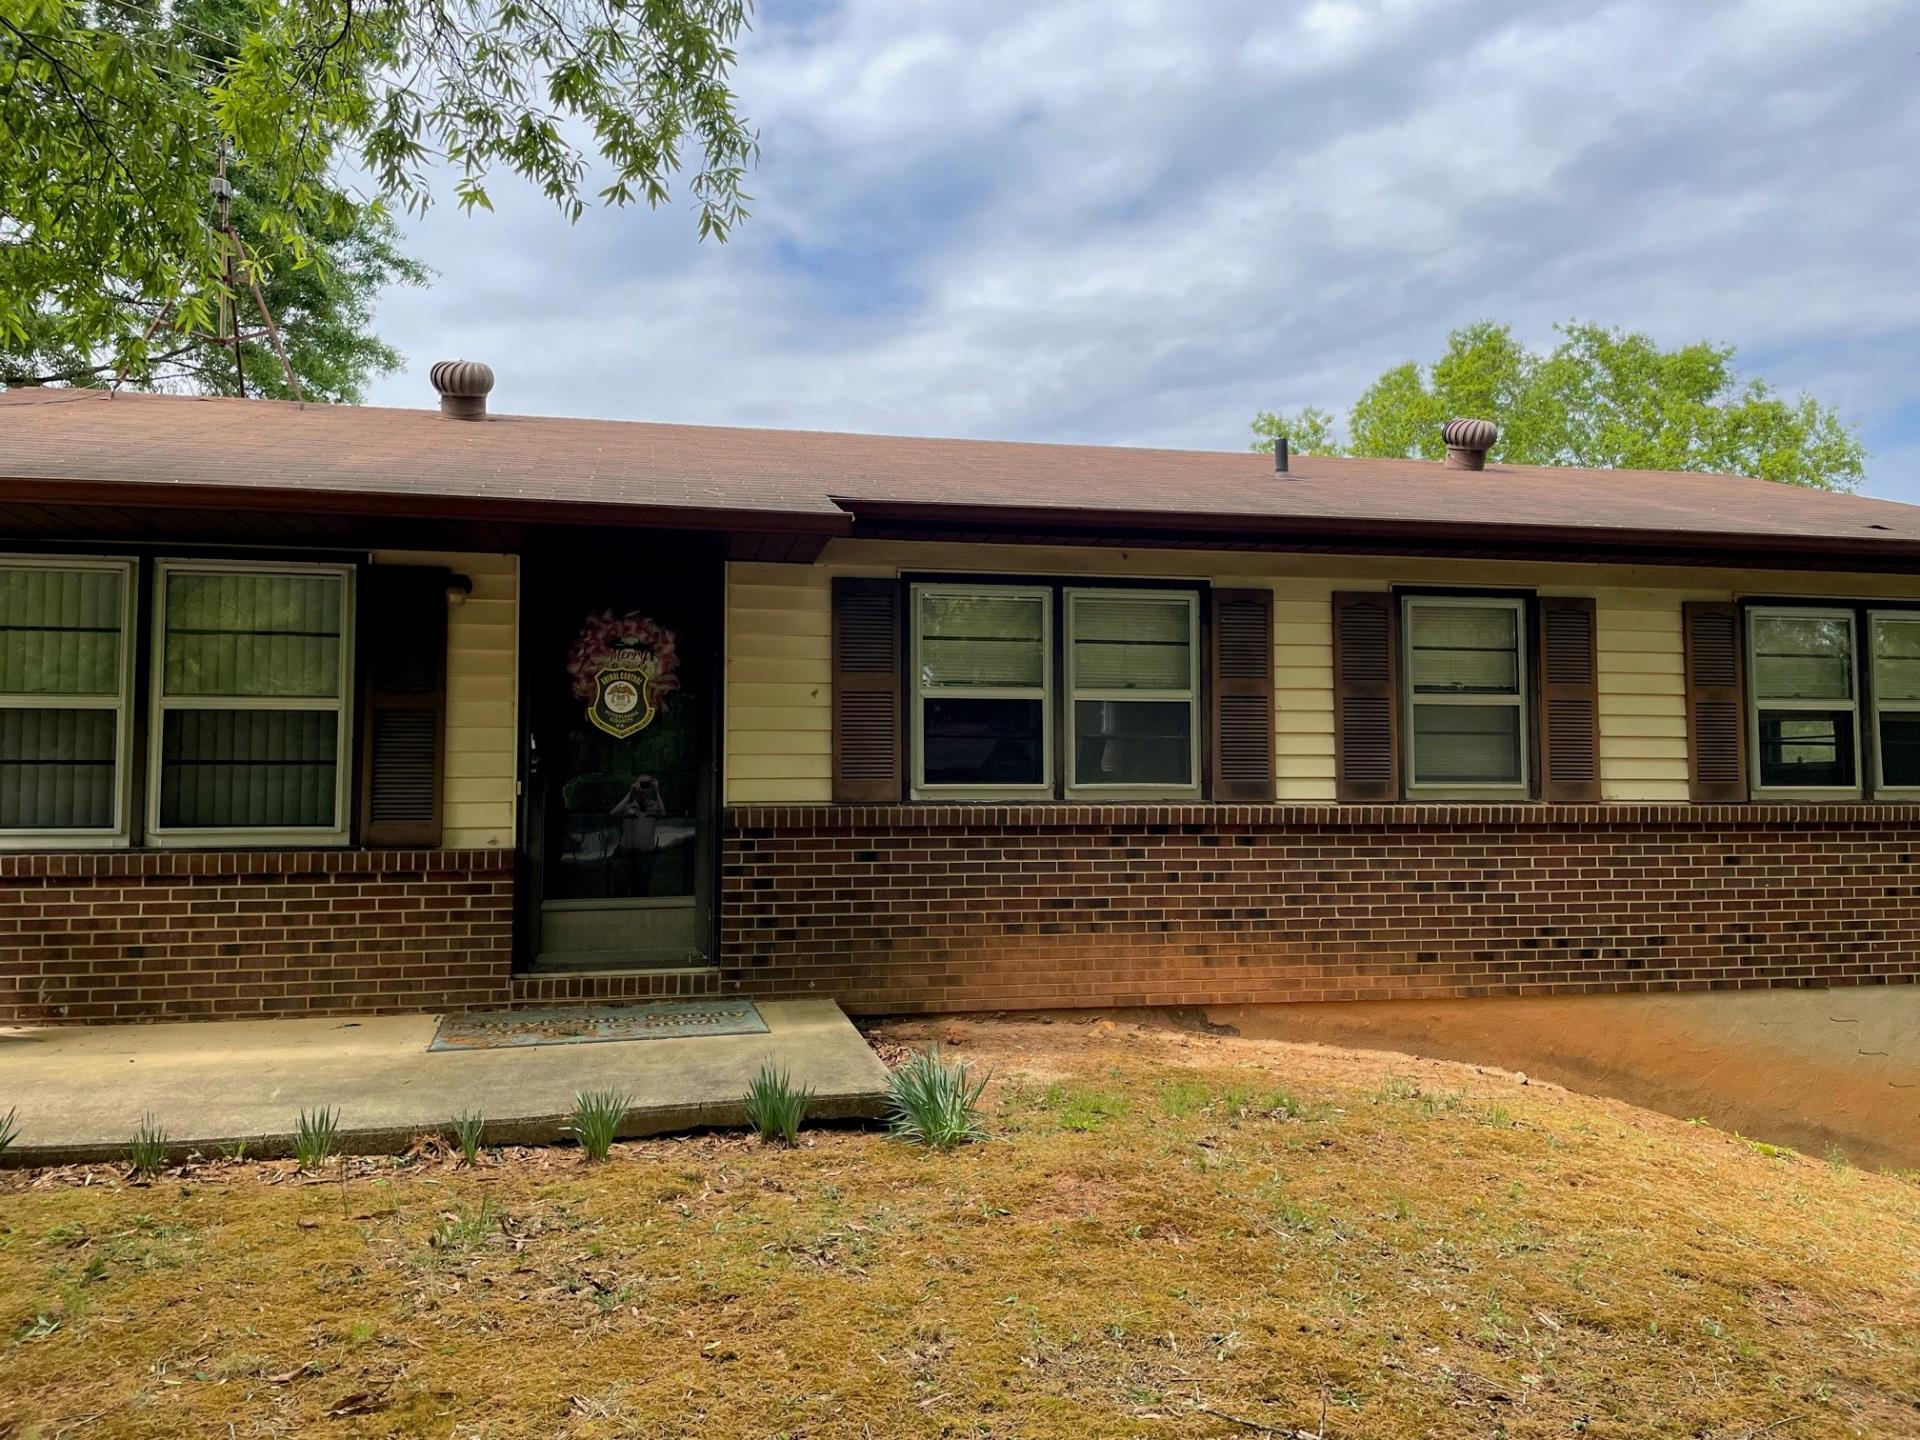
(236, 256)
(227, 331)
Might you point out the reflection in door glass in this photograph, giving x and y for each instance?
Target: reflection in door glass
(630, 767)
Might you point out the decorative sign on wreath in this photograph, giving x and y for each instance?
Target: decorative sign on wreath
(623, 667)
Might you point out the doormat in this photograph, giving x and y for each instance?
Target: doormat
(593, 1024)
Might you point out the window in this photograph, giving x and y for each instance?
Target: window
(994, 700)
(1896, 700)
(1466, 695)
(65, 677)
(982, 702)
(248, 739)
(1805, 710)
(1133, 678)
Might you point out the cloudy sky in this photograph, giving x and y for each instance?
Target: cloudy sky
(1137, 221)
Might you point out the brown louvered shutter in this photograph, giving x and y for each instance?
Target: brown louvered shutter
(1716, 722)
(1569, 699)
(1366, 721)
(403, 646)
(866, 690)
(1242, 654)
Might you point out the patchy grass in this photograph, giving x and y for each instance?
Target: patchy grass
(1165, 1235)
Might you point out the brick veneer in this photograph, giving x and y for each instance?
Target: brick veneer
(183, 935)
(917, 908)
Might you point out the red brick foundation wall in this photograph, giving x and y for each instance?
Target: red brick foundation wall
(916, 908)
(178, 935)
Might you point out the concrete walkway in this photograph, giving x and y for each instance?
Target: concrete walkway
(81, 1091)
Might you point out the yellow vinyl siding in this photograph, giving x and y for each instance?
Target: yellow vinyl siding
(478, 811)
(1303, 689)
(1643, 713)
(779, 721)
(779, 686)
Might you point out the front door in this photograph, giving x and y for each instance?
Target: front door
(620, 668)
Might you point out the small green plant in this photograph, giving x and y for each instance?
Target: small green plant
(313, 1136)
(775, 1105)
(467, 1126)
(1282, 1104)
(463, 1229)
(596, 1116)
(1181, 1098)
(929, 1103)
(237, 1151)
(1086, 1110)
(9, 1129)
(148, 1149)
(1396, 1089)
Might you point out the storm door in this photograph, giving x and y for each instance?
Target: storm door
(619, 669)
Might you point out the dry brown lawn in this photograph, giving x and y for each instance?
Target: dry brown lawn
(1168, 1234)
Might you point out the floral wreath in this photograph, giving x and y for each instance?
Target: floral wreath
(606, 634)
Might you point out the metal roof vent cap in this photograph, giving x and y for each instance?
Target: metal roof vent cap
(1468, 442)
(463, 387)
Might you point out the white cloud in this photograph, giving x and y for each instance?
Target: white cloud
(1136, 222)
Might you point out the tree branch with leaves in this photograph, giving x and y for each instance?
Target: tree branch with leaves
(113, 114)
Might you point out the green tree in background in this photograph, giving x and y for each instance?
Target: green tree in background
(1601, 398)
(1309, 431)
(324, 309)
(113, 114)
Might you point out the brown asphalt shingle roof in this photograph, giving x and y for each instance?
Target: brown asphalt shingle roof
(78, 444)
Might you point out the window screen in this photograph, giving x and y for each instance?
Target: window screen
(1805, 710)
(981, 704)
(1466, 693)
(1896, 698)
(250, 690)
(63, 691)
(1134, 674)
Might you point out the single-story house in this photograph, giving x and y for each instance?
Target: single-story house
(311, 709)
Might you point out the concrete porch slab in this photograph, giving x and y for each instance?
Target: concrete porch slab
(81, 1091)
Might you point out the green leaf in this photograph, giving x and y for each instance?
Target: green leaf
(114, 115)
(1603, 399)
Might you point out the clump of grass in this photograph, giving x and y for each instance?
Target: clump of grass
(313, 1136)
(1280, 1102)
(148, 1149)
(775, 1105)
(596, 1116)
(1396, 1090)
(463, 1229)
(930, 1103)
(467, 1126)
(9, 1129)
(1181, 1098)
(1086, 1110)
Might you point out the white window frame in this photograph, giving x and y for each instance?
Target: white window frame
(341, 703)
(1755, 704)
(923, 692)
(1880, 707)
(117, 834)
(1520, 700)
(1078, 789)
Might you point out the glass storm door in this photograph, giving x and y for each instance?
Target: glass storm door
(619, 667)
